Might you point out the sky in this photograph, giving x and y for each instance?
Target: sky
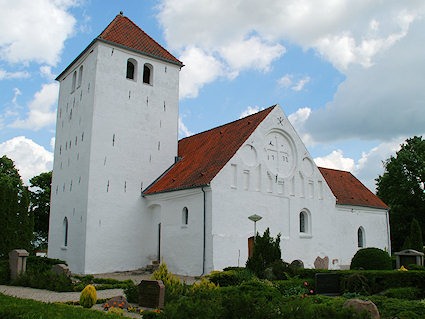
(349, 74)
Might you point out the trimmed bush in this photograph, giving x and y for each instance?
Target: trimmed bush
(416, 267)
(292, 287)
(371, 259)
(88, 297)
(398, 308)
(356, 283)
(230, 277)
(408, 293)
(132, 293)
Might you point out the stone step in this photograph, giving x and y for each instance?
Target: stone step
(156, 262)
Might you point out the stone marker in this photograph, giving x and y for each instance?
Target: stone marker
(61, 269)
(151, 293)
(321, 263)
(17, 262)
(327, 284)
(297, 264)
(360, 305)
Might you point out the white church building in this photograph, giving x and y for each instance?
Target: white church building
(126, 192)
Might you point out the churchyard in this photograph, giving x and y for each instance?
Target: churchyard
(266, 288)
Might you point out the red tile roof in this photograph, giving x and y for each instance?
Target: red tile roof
(348, 190)
(123, 31)
(203, 155)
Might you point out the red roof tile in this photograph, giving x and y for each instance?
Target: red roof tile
(123, 31)
(205, 154)
(348, 190)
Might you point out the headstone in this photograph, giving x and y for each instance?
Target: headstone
(59, 269)
(151, 293)
(327, 284)
(297, 263)
(17, 262)
(408, 257)
(359, 306)
(321, 263)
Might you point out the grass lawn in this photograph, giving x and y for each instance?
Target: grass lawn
(12, 308)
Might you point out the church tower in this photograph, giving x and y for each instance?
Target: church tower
(116, 132)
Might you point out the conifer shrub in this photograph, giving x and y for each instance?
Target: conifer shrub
(174, 288)
(371, 259)
(408, 293)
(88, 297)
(266, 250)
(230, 277)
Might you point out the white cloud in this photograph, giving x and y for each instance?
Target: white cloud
(46, 72)
(5, 75)
(300, 84)
(183, 130)
(335, 160)
(34, 30)
(42, 109)
(250, 110)
(199, 70)
(30, 158)
(285, 81)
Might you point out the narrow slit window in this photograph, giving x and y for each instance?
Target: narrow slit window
(185, 216)
(74, 81)
(360, 237)
(65, 231)
(80, 76)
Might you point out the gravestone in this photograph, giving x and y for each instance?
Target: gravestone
(297, 264)
(327, 284)
(408, 257)
(59, 269)
(151, 293)
(17, 262)
(321, 263)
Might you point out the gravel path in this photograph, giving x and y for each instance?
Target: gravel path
(53, 296)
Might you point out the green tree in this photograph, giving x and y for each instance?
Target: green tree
(40, 207)
(401, 187)
(415, 238)
(266, 251)
(17, 220)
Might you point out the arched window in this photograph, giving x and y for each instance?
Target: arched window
(360, 237)
(74, 81)
(185, 216)
(305, 222)
(65, 231)
(131, 69)
(147, 73)
(80, 76)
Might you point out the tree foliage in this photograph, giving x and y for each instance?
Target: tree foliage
(266, 251)
(415, 237)
(401, 187)
(40, 207)
(17, 220)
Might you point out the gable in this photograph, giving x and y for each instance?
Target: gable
(348, 190)
(203, 155)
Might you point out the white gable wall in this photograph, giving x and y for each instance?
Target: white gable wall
(251, 184)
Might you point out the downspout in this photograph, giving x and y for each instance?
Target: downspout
(388, 232)
(204, 239)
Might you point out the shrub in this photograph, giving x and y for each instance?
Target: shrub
(41, 264)
(282, 270)
(116, 310)
(203, 285)
(230, 277)
(356, 283)
(132, 293)
(415, 238)
(398, 308)
(416, 267)
(408, 293)
(174, 289)
(88, 297)
(44, 280)
(371, 259)
(266, 250)
(292, 287)
(4, 271)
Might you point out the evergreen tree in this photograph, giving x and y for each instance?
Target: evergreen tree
(415, 237)
(266, 250)
(401, 187)
(18, 223)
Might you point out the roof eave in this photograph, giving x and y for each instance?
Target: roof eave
(367, 206)
(175, 189)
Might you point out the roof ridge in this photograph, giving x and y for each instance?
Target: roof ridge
(335, 169)
(225, 124)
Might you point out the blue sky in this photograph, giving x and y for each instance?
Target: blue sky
(350, 75)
